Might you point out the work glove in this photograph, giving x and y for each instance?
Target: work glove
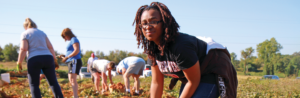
(61, 56)
(19, 67)
(56, 64)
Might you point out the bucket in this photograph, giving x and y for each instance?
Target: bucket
(5, 77)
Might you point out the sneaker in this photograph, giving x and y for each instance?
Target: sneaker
(97, 92)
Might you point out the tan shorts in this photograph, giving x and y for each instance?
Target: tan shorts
(136, 68)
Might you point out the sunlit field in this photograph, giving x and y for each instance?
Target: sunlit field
(19, 87)
(249, 87)
(254, 87)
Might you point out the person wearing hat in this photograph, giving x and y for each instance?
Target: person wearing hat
(90, 61)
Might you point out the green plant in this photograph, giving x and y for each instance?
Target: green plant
(62, 74)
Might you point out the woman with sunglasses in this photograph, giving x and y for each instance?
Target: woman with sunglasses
(73, 58)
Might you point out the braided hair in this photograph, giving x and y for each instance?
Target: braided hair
(170, 30)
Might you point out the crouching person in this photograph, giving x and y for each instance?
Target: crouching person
(131, 66)
(98, 69)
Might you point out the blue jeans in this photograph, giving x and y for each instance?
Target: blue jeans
(204, 90)
(45, 63)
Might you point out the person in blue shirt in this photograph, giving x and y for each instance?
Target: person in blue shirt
(73, 58)
(131, 66)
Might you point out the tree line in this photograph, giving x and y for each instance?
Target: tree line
(10, 53)
(269, 60)
(115, 55)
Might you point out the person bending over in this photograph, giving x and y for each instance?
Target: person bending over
(202, 65)
(131, 66)
(98, 69)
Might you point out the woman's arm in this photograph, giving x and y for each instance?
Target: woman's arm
(157, 83)
(118, 70)
(109, 76)
(123, 71)
(23, 50)
(90, 67)
(193, 76)
(50, 47)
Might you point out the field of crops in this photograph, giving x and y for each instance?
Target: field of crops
(249, 86)
(253, 87)
(19, 87)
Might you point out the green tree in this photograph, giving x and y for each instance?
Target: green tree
(1, 54)
(284, 64)
(266, 51)
(10, 52)
(275, 61)
(233, 59)
(100, 54)
(295, 65)
(254, 63)
(143, 56)
(296, 53)
(245, 55)
(288, 70)
(117, 55)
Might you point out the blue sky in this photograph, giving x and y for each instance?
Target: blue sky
(107, 25)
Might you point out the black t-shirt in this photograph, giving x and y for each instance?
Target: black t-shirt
(182, 54)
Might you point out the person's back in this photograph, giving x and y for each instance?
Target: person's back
(100, 65)
(132, 60)
(40, 57)
(36, 42)
(131, 66)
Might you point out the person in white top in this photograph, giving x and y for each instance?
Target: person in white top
(40, 56)
(90, 61)
(98, 68)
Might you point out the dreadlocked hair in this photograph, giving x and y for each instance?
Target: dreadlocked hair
(169, 34)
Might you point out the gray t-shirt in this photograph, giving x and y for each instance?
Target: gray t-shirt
(36, 42)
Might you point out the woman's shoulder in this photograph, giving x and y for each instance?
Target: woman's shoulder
(33, 31)
(74, 39)
(29, 30)
(185, 39)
